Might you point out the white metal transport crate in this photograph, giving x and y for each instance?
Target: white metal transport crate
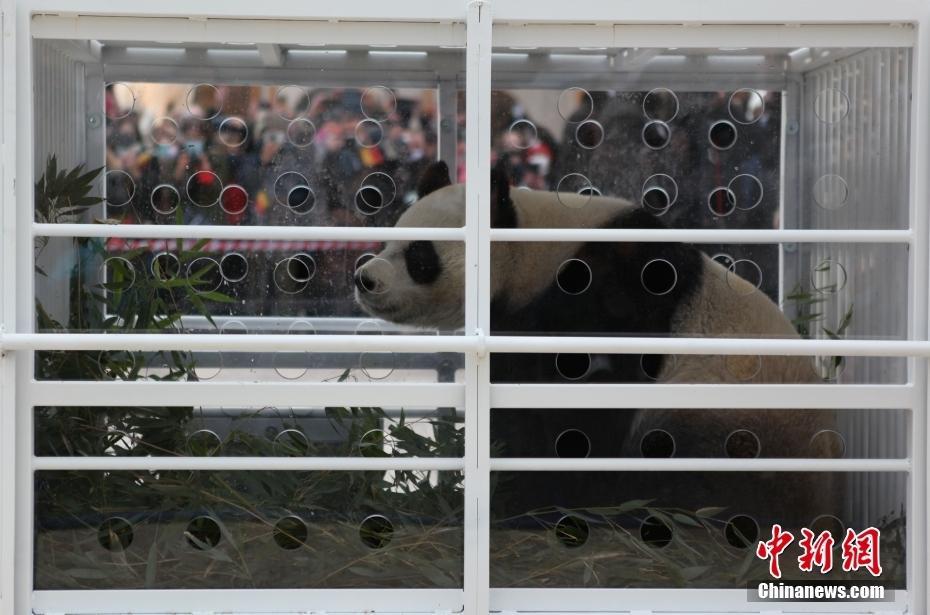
(260, 356)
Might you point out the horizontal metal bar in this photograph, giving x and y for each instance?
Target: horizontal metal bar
(258, 233)
(754, 236)
(722, 464)
(461, 343)
(256, 394)
(742, 396)
(242, 464)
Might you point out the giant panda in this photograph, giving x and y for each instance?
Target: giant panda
(609, 289)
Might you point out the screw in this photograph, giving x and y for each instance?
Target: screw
(792, 127)
(93, 120)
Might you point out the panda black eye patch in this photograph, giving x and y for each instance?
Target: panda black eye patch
(422, 261)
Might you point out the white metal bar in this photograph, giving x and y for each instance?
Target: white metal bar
(701, 464)
(259, 394)
(704, 235)
(241, 464)
(741, 396)
(262, 233)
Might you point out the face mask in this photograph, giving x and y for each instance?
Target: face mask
(163, 150)
(194, 148)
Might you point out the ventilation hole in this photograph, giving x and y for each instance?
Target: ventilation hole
(377, 365)
(660, 191)
(828, 369)
(203, 533)
(369, 327)
(831, 105)
(203, 275)
(120, 188)
(656, 199)
(364, 258)
(589, 134)
(118, 273)
(574, 276)
(204, 188)
(301, 199)
(747, 191)
(656, 135)
(203, 443)
(829, 523)
(571, 187)
(660, 104)
(291, 101)
(376, 276)
(575, 104)
(376, 443)
(572, 366)
(368, 133)
(236, 446)
(285, 192)
(115, 534)
(204, 101)
(746, 106)
(741, 531)
(233, 132)
(724, 259)
(207, 365)
(293, 365)
(743, 367)
(300, 132)
(234, 199)
(291, 443)
(290, 533)
(572, 443)
(165, 199)
(652, 365)
(378, 103)
(722, 134)
(742, 444)
(124, 101)
(522, 134)
(655, 532)
(164, 131)
(376, 531)
(828, 444)
(828, 277)
(590, 191)
(572, 531)
(369, 200)
(831, 192)
(657, 443)
(234, 267)
(658, 277)
(721, 201)
(744, 276)
(291, 275)
(165, 267)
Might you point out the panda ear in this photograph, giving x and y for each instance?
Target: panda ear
(503, 215)
(435, 176)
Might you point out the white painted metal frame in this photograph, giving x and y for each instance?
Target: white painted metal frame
(521, 23)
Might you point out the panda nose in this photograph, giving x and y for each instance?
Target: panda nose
(364, 283)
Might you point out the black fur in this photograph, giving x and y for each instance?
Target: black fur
(423, 265)
(435, 176)
(503, 213)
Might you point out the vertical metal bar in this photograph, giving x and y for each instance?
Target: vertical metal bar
(477, 307)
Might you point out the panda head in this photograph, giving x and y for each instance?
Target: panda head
(422, 283)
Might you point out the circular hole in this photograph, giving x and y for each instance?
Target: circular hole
(204, 101)
(376, 443)
(722, 134)
(203, 533)
(234, 199)
(284, 187)
(831, 105)
(207, 365)
(376, 191)
(123, 101)
(376, 365)
(828, 276)
(164, 131)
(120, 188)
(379, 274)
(291, 275)
(368, 133)
(744, 276)
(660, 191)
(165, 199)
(283, 362)
(828, 444)
(742, 444)
(368, 327)
(655, 532)
(234, 267)
(204, 188)
(741, 531)
(165, 266)
(831, 191)
(570, 187)
(658, 277)
(828, 523)
(590, 191)
(573, 276)
(378, 103)
(660, 104)
(743, 367)
(361, 260)
(234, 327)
(237, 446)
(747, 191)
(290, 533)
(203, 275)
(376, 531)
(233, 131)
(589, 134)
(522, 134)
(656, 134)
(573, 366)
(291, 443)
(828, 369)
(572, 443)
(657, 443)
(291, 101)
(116, 364)
(721, 202)
(118, 273)
(300, 132)
(653, 365)
(574, 102)
(746, 106)
(724, 259)
(115, 534)
(203, 443)
(572, 531)
(301, 200)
